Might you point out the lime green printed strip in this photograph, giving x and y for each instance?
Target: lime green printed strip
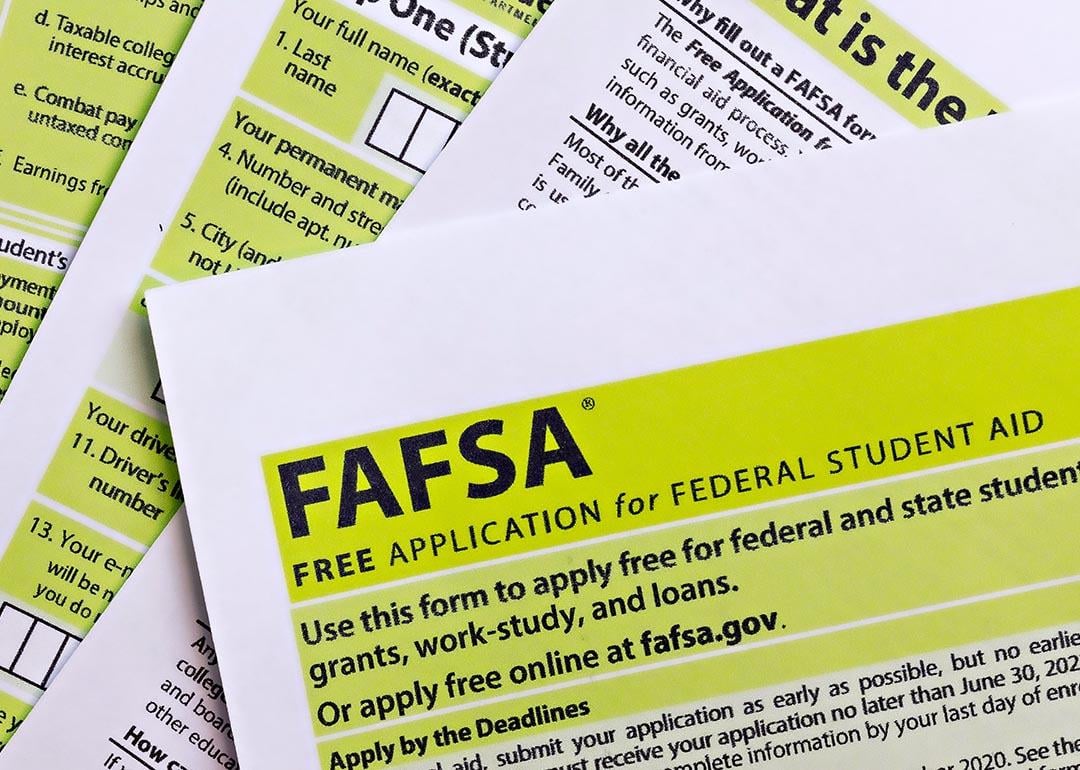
(62, 569)
(30, 229)
(117, 466)
(70, 107)
(884, 58)
(12, 352)
(747, 669)
(27, 280)
(363, 57)
(12, 713)
(68, 227)
(271, 191)
(674, 446)
(26, 294)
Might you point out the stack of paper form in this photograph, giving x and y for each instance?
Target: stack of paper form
(767, 467)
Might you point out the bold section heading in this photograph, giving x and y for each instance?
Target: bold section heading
(465, 489)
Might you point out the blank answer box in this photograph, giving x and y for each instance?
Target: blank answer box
(396, 122)
(31, 648)
(14, 628)
(432, 133)
(410, 131)
(43, 647)
(66, 652)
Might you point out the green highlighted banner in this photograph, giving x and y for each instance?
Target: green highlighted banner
(884, 58)
(118, 466)
(63, 568)
(674, 446)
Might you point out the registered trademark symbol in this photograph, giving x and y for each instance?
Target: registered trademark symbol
(588, 403)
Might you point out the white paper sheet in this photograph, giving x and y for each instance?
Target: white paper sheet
(614, 95)
(346, 347)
